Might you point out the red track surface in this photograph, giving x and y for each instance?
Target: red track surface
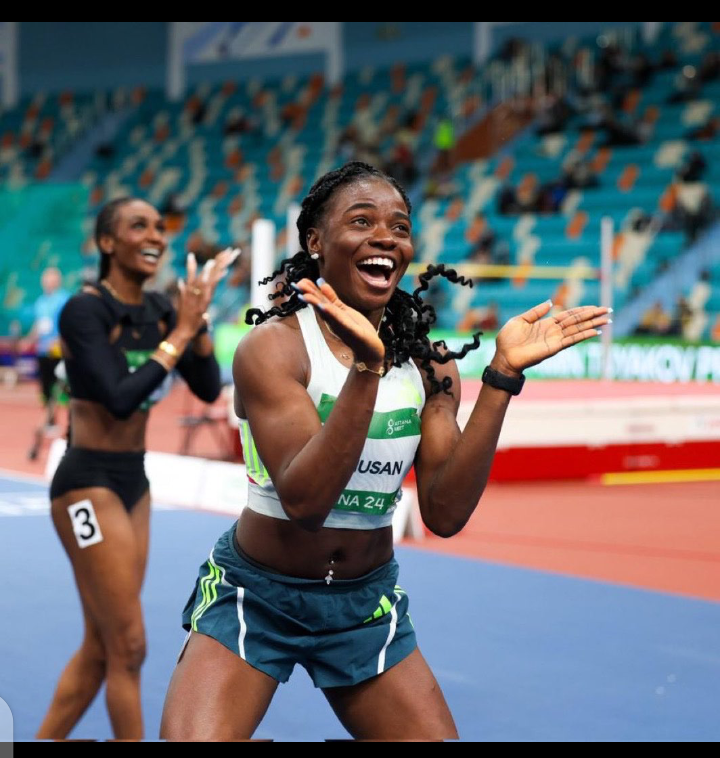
(660, 537)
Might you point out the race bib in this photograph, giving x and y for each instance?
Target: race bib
(85, 524)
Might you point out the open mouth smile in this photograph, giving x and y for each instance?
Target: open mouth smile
(377, 270)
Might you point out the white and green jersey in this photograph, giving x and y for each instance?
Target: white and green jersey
(370, 496)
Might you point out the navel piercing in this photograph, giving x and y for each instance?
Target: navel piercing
(330, 573)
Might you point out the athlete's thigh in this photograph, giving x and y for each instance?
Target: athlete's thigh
(404, 702)
(98, 536)
(214, 695)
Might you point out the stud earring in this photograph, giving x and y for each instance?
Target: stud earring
(315, 256)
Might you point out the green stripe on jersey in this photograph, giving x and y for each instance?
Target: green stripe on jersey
(359, 501)
(255, 468)
(391, 425)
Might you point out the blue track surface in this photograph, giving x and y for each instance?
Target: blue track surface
(520, 655)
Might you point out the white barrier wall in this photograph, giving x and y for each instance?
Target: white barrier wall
(589, 423)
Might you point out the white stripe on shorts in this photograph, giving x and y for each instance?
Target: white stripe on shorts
(391, 634)
(182, 649)
(241, 619)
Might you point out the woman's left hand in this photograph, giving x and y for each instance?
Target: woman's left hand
(528, 339)
(215, 269)
(212, 272)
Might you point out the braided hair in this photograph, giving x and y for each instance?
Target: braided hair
(408, 319)
(104, 225)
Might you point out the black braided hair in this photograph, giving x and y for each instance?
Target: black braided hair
(408, 319)
(105, 224)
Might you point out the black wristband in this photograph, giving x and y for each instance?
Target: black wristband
(510, 384)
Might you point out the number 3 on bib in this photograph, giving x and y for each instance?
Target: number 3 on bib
(85, 524)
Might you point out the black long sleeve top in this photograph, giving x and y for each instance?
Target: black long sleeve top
(112, 367)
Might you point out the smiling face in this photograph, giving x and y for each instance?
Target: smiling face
(364, 242)
(137, 241)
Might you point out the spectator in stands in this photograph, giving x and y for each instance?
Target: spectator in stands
(485, 247)
(643, 70)
(173, 205)
(554, 115)
(235, 123)
(444, 142)
(596, 111)
(525, 198)
(625, 132)
(687, 86)
(479, 319)
(197, 109)
(507, 204)
(401, 164)
(694, 209)
(638, 220)
(480, 256)
(709, 70)
(707, 132)
(528, 194)
(440, 183)
(610, 64)
(348, 143)
(44, 335)
(512, 49)
(693, 167)
(201, 248)
(668, 60)
(239, 122)
(578, 174)
(684, 315)
(655, 321)
(358, 142)
(551, 196)
(293, 115)
(481, 236)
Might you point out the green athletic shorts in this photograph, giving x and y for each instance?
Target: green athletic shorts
(342, 633)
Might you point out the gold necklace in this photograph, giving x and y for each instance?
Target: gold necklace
(105, 283)
(345, 355)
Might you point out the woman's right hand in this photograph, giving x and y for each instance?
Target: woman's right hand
(348, 324)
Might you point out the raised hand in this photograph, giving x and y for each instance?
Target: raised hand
(348, 324)
(528, 339)
(197, 291)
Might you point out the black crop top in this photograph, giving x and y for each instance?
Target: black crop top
(119, 375)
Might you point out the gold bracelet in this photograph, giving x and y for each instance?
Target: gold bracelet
(360, 366)
(169, 348)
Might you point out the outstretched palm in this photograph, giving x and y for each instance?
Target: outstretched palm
(348, 324)
(528, 339)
